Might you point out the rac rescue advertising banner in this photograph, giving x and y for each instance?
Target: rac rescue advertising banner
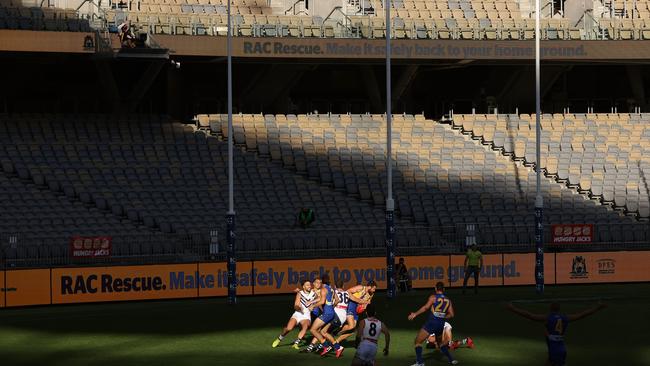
(272, 277)
(216, 279)
(93, 284)
(492, 271)
(27, 287)
(74, 285)
(590, 267)
(99, 284)
(2, 287)
(519, 269)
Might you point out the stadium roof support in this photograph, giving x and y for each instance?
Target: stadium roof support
(109, 79)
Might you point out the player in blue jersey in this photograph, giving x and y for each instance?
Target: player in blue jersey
(359, 296)
(331, 329)
(440, 309)
(556, 324)
(328, 301)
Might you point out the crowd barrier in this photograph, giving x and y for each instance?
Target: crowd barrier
(123, 283)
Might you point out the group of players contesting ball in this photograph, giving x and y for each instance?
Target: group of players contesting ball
(328, 311)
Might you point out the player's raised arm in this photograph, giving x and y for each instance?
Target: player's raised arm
(587, 312)
(322, 298)
(384, 329)
(353, 297)
(526, 314)
(424, 308)
(296, 304)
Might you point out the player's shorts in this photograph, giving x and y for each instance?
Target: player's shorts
(445, 327)
(315, 314)
(327, 316)
(434, 325)
(366, 352)
(341, 315)
(473, 270)
(299, 316)
(352, 310)
(556, 353)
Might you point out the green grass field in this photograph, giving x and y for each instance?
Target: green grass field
(210, 332)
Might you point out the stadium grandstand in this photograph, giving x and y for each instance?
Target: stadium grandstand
(207, 152)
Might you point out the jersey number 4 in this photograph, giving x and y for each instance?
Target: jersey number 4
(441, 305)
(558, 326)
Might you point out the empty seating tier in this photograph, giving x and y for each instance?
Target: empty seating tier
(605, 156)
(166, 177)
(13, 15)
(441, 178)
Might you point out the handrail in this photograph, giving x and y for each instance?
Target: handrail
(348, 20)
(103, 41)
(293, 7)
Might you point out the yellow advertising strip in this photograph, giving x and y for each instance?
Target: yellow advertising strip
(410, 49)
(76, 285)
(99, 284)
(2, 289)
(273, 277)
(27, 287)
(216, 279)
(594, 267)
(44, 41)
(426, 271)
(491, 273)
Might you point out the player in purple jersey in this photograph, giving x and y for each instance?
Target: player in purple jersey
(556, 324)
(440, 309)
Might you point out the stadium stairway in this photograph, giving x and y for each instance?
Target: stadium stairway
(601, 156)
(443, 178)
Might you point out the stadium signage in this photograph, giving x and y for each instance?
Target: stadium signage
(606, 266)
(194, 280)
(572, 233)
(422, 49)
(90, 247)
(108, 284)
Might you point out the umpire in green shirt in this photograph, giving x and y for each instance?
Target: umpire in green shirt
(473, 265)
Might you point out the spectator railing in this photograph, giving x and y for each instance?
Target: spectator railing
(20, 250)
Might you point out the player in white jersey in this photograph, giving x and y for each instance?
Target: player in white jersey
(340, 310)
(303, 305)
(447, 339)
(359, 297)
(368, 332)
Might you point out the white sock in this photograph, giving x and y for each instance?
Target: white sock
(280, 337)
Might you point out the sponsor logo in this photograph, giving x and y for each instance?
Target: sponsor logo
(579, 267)
(83, 247)
(606, 266)
(89, 43)
(574, 233)
(106, 283)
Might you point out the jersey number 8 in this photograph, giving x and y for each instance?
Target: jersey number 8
(373, 329)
